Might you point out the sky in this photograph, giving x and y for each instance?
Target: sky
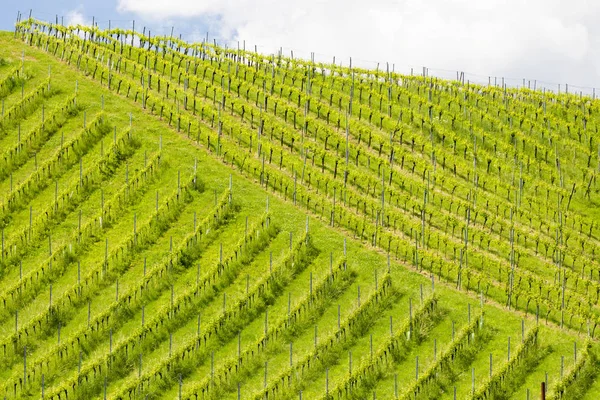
(544, 42)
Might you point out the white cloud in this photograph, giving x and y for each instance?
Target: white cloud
(548, 40)
(75, 17)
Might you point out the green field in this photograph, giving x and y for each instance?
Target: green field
(188, 221)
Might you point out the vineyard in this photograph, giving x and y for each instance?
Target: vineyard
(187, 221)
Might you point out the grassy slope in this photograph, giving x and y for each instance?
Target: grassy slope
(179, 154)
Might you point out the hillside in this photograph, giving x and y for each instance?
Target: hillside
(188, 221)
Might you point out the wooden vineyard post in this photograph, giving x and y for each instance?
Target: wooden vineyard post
(105, 265)
(410, 319)
(180, 385)
(417, 368)
(469, 312)
(543, 391)
(24, 365)
(266, 369)
(172, 308)
(417, 255)
(296, 178)
(266, 324)
(347, 145)
(198, 330)
(350, 362)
